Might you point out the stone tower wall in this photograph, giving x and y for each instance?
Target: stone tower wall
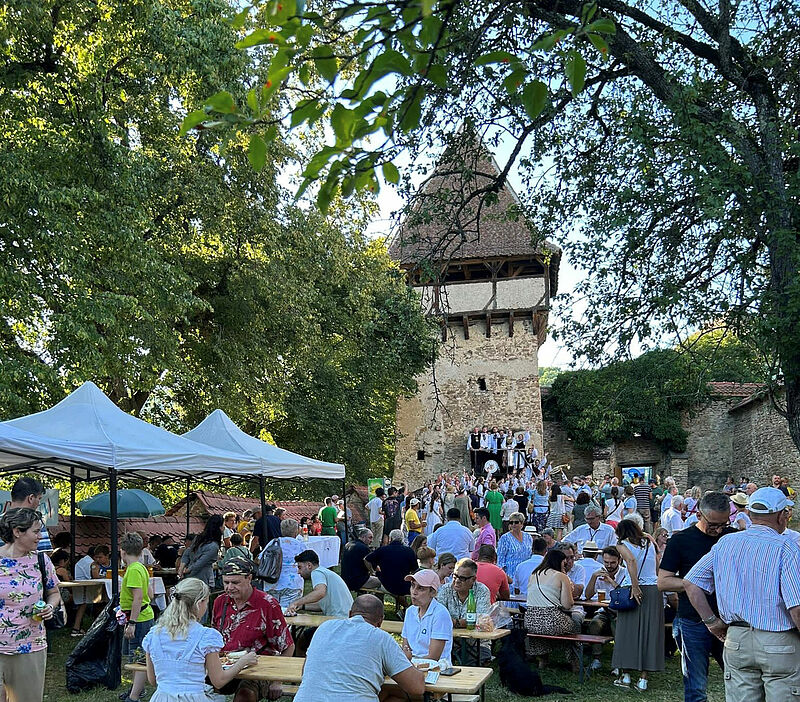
(439, 426)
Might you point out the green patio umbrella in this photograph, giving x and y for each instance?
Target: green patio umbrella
(130, 503)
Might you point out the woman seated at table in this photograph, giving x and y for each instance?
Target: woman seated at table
(181, 651)
(548, 604)
(427, 627)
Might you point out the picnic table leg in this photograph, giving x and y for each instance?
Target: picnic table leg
(581, 669)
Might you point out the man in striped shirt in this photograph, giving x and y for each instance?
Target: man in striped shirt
(756, 577)
(644, 496)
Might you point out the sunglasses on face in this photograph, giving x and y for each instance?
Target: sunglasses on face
(514, 521)
(714, 525)
(463, 578)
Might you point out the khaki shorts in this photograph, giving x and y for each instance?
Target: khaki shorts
(22, 674)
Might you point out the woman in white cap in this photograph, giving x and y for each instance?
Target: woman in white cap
(740, 519)
(427, 626)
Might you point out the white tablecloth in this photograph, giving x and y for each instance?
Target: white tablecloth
(160, 592)
(327, 548)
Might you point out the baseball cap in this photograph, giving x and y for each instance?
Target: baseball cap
(426, 578)
(768, 500)
(414, 501)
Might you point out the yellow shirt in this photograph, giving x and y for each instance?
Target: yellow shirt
(412, 520)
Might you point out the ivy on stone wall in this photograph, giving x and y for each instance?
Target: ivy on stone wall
(641, 397)
(646, 396)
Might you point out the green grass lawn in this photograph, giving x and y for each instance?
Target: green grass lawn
(664, 687)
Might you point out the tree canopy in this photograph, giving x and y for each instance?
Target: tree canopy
(168, 269)
(661, 137)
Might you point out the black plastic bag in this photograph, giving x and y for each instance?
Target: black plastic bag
(97, 659)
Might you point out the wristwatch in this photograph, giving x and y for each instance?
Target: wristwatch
(710, 620)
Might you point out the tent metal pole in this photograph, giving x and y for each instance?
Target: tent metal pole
(344, 501)
(188, 488)
(72, 518)
(112, 494)
(263, 494)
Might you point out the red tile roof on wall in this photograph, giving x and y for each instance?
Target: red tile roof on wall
(94, 531)
(217, 503)
(734, 389)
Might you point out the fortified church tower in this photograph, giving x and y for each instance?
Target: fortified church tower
(479, 274)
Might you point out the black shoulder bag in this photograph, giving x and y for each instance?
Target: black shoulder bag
(59, 618)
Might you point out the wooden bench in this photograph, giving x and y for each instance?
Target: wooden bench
(580, 640)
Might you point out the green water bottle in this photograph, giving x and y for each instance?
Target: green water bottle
(472, 614)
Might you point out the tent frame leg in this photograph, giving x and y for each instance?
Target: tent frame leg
(112, 494)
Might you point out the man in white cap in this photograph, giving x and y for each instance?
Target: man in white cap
(413, 523)
(756, 577)
(427, 626)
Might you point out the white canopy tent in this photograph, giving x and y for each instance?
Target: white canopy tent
(89, 433)
(219, 431)
(86, 436)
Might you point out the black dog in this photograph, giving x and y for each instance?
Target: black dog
(516, 674)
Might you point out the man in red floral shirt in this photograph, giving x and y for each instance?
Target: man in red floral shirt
(250, 619)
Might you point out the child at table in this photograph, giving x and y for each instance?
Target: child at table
(181, 651)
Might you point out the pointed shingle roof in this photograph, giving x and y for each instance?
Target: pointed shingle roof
(455, 217)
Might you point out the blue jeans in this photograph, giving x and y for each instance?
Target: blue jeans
(696, 644)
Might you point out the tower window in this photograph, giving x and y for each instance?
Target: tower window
(482, 384)
(421, 455)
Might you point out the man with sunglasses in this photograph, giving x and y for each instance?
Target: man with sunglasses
(684, 548)
(756, 577)
(454, 597)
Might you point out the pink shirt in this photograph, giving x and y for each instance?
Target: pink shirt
(20, 590)
(487, 536)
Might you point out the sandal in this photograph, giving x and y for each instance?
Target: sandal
(77, 633)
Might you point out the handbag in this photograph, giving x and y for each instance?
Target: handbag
(620, 598)
(565, 519)
(59, 618)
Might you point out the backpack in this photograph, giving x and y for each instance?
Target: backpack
(270, 562)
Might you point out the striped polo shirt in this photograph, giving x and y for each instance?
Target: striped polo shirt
(756, 577)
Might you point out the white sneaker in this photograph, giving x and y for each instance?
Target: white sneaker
(641, 686)
(596, 664)
(615, 672)
(623, 680)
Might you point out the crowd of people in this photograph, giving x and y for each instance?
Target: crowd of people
(458, 546)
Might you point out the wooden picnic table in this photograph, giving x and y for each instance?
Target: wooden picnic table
(395, 627)
(468, 681)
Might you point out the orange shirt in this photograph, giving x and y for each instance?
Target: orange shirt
(495, 579)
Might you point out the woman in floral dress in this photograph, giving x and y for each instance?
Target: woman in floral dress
(515, 545)
(23, 641)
